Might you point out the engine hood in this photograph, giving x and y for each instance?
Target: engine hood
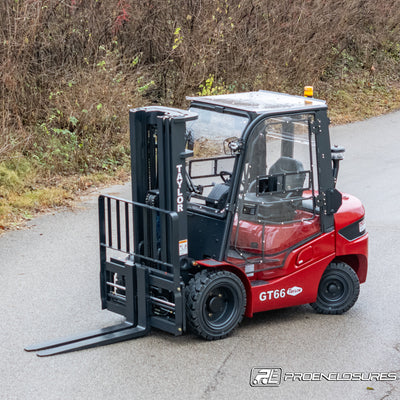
(349, 212)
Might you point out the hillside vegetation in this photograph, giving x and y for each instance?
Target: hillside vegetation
(71, 69)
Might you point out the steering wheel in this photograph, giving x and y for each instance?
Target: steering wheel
(222, 175)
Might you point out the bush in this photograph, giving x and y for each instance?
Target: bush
(69, 70)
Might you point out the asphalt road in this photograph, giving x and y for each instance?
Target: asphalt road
(49, 276)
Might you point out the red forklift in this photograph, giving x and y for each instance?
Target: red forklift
(234, 211)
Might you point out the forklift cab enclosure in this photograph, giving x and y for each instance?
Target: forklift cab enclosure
(259, 209)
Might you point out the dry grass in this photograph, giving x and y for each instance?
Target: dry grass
(25, 194)
(70, 69)
(349, 106)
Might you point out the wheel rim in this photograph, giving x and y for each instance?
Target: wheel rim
(334, 290)
(220, 307)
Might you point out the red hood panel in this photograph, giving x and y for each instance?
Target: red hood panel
(350, 211)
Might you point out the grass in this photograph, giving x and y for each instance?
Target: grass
(352, 101)
(26, 193)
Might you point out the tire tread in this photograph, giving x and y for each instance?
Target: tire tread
(194, 292)
(322, 309)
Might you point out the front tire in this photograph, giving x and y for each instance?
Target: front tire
(215, 303)
(338, 289)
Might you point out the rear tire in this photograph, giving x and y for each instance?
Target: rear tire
(338, 289)
(215, 303)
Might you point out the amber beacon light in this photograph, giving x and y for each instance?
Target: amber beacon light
(308, 91)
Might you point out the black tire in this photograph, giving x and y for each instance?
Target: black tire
(215, 303)
(338, 289)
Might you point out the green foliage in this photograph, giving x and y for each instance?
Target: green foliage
(178, 38)
(210, 88)
(14, 173)
(9, 179)
(143, 87)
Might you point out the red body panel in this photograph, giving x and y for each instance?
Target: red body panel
(300, 287)
(350, 211)
(296, 281)
(277, 237)
(355, 252)
(306, 275)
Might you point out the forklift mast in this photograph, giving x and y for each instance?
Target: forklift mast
(143, 243)
(158, 137)
(155, 220)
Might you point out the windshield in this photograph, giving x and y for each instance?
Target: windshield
(211, 166)
(211, 129)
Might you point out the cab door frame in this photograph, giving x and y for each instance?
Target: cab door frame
(328, 199)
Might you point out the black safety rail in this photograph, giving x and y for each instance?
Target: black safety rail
(158, 246)
(154, 248)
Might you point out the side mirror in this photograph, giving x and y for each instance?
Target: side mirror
(189, 140)
(333, 201)
(233, 145)
(337, 156)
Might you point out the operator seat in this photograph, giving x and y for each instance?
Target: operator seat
(280, 206)
(294, 183)
(218, 196)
